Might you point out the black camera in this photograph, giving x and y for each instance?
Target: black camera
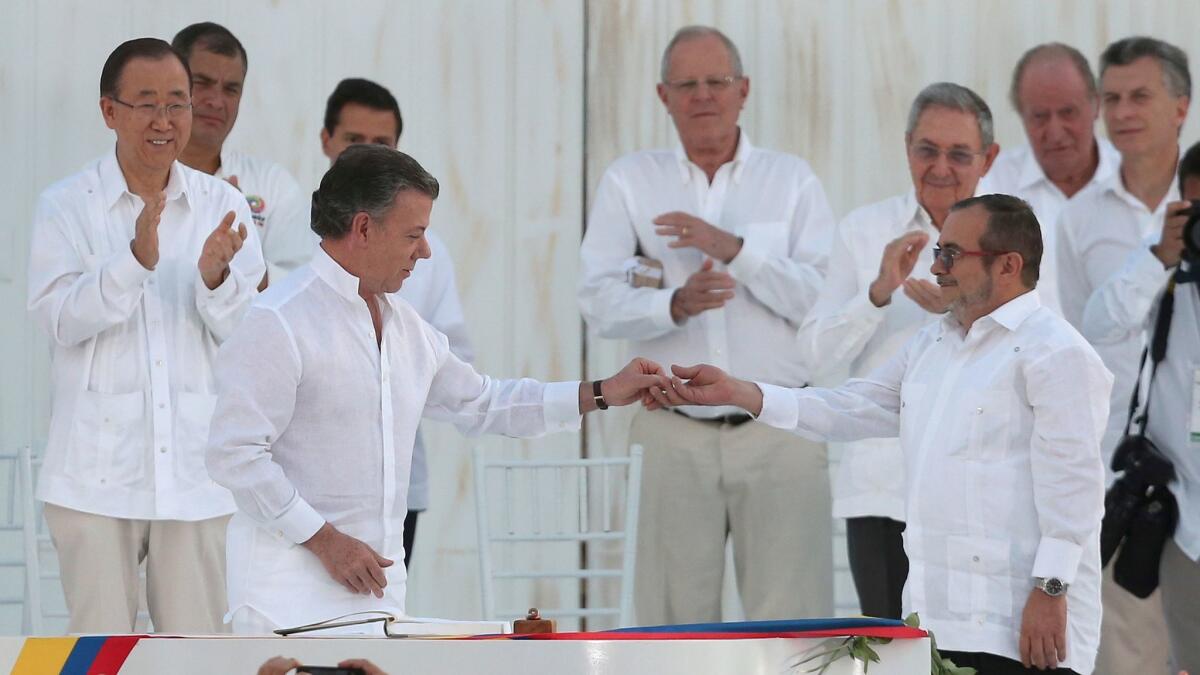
(1140, 514)
(1191, 232)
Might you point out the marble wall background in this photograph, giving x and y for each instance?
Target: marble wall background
(517, 107)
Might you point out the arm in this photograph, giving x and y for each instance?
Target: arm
(222, 306)
(788, 281)
(612, 307)
(73, 295)
(288, 241)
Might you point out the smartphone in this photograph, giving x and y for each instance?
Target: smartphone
(330, 670)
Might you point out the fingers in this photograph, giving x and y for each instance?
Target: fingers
(241, 232)
(1060, 646)
(686, 372)
(233, 180)
(227, 221)
(707, 265)
(374, 579)
(1026, 648)
(383, 562)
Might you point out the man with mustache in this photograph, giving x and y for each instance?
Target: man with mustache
(219, 65)
(1116, 249)
(1054, 91)
(999, 407)
(739, 235)
(139, 269)
(860, 319)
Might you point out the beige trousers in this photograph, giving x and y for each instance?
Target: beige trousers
(99, 558)
(1180, 579)
(703, 482)
(1133, 634)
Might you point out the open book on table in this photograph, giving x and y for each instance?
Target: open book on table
(389, 625)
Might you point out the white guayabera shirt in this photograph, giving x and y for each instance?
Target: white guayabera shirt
(315, 423)
(1017, 172)
(844, 326)
(771, 199)
(133, 349)
(1000, 430)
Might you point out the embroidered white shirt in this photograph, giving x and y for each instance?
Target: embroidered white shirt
(133, 349)
(1000, 431)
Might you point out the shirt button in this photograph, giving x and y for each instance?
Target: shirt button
(163, 449)
(160, 406)
(975, 558)
(158, 362)
(938, 340)
(979, 411)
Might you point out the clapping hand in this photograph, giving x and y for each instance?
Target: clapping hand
(692, 232)
(899, 258)
(145, 231)
(926, 294)
(219, 249)
(703, 291)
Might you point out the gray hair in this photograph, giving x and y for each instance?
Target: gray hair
(693, 32)
(1172, 59)
(954, 97)
(365, 178)
(1049, 52)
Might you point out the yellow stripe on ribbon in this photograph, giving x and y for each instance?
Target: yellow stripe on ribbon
(43, 656)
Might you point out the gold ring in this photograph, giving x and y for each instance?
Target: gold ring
(685, 230)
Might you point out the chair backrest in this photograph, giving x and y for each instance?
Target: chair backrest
(548, 503)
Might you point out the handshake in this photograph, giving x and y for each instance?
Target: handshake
(646, 381)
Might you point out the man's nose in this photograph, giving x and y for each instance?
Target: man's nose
(425, 251)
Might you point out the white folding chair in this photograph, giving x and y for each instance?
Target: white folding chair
(544, 503)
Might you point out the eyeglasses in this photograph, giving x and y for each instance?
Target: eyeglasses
(151, 111)
(715, 84)
(947, 256)
(956, 156)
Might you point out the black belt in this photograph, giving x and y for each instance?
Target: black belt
(732, 419)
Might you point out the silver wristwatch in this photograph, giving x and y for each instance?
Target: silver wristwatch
(1051, 586)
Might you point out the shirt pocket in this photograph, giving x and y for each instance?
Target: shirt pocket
(989, 422)
(979, 576)
(192, 420)
(108, 439)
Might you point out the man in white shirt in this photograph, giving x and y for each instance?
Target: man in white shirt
(136, 290)
(219, 65)
(999, 408)
(321, 389)
(361, 111)
(1173, 424)
(741, 235)
(860, 319)
(1112, 264)
(1054, 91)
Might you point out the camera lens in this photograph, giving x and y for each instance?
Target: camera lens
(1191, 232)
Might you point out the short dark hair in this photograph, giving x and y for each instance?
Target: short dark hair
(211, 37)
(365, 178)
(1011, 226)
(137, 48)
(1189, 166)
(1172, 59)
(1050, 52)
(365, 93)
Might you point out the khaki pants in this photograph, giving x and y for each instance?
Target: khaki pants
(766, 489)
(1180, 578)
(99, 558)
(1133, 634)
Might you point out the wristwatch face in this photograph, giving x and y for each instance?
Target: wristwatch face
(1053, 587)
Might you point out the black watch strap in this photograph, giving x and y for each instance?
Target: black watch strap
(598, 396)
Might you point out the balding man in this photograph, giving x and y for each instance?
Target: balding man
(741, 235)
(1054, 92)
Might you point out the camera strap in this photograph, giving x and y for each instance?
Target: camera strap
(1156, 350)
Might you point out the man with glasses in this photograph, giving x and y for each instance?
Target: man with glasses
(860, 319)
(715, 251)
(999, 408)
(1054, 92)
(139, 268)
(1116, 249)
(218, 64)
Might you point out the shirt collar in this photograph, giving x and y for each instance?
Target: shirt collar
(1010, 315)
(113, 183)
(915, 212)
(745, 147)
(1032, 173)
(1117, 187)
(328, 269)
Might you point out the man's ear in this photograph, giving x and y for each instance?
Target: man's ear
(360, 227)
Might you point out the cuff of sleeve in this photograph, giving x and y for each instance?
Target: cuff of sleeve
(750, 259)
(660, 311)
(779, 408)
(126, 271)
(219, 295)
(299, 523)
(1057, 558)
(1148, 270)
(560, 402)
(860, 306)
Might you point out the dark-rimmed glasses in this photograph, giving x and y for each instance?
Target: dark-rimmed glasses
(947, 256)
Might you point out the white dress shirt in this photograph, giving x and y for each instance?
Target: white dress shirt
(1108, 279)
(1017, 172)
(133, 349)
(315, 423)
(1174, 423)
(431, 290)
(1000, 431)
(281, 210)
(771, 199)
(845, 327)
